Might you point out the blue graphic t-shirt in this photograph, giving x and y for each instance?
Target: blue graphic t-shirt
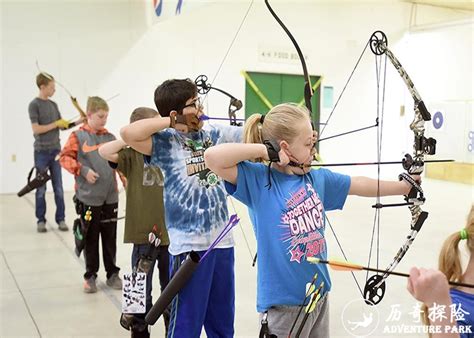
(463, 306)
(194, 197)
(289, 226)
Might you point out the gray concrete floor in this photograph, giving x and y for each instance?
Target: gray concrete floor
(41, 278)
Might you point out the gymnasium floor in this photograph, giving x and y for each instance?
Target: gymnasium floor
(41, 278)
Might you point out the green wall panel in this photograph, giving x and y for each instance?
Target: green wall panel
(279, 88)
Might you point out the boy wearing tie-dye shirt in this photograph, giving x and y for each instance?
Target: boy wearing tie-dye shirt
(195, 206)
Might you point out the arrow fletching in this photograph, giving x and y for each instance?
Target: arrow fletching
(310, 289)
(312, 305)
(336, 265)
(233, 219)
(157, 242)
(151, 237)
(314, 299)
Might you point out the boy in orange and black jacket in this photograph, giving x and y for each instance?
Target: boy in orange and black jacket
(96, 193)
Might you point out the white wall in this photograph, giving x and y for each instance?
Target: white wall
(106, 48)
(79, 43)
(443, 62)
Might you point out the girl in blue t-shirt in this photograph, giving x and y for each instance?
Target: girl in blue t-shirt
(462, 298)
(431, 287)
(287, 201)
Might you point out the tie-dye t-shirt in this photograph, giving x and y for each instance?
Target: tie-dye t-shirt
(194, 196)
(289, 226)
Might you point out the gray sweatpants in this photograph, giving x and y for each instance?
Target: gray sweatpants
(281, 318)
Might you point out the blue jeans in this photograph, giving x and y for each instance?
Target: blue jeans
(44, 160)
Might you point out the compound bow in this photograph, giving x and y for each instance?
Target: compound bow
(374, 289)
(234, 105)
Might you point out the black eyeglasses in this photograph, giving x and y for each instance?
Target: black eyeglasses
(196, 104)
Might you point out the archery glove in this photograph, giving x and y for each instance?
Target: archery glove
(272, 149)
(190, 120)
(193, 122)
(62, 124)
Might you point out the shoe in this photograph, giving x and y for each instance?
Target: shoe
(114, 282)
(90, 286)
(140, 334)
(41, 227)
(63, 226)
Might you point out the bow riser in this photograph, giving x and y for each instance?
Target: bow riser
(422, 145)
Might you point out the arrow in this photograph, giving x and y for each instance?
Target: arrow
(346, 266)
(233, 220)
(206, 118)
(367, 163)
(309, 290)
(310, 308)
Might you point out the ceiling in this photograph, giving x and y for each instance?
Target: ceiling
(457, 5)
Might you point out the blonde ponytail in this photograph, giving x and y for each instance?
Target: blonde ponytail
(449, 257)
(282, 122)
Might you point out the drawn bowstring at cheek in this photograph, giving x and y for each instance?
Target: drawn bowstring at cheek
(301, 164)
(294, 162)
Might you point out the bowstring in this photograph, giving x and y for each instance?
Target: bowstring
(320, 134)
(380, 119)
(204, 101)
(242, 229)
(380, 114)
(230, 47)
(343, 89)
